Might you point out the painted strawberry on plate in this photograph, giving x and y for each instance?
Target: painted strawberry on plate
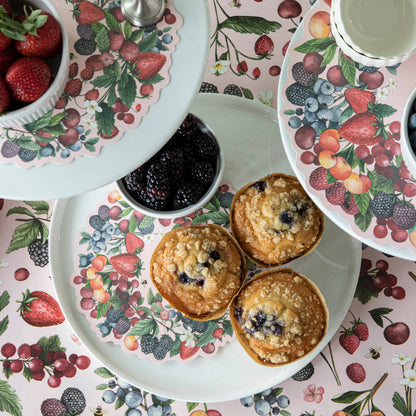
(40, 309)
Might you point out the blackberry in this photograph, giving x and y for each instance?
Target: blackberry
(85, 47)
(135, 180)
(52, 407)
(10, 149)
(301, 76)
(162, 348)
(122, 326)
(148, 343)
(151, 202)
(305, 373)
(233, 89)
(173, 160)
(207, 87)
(27, 155)
(74, 400)
(226, 199)
(203, 172)
(199, 326)
(157, 183)
(39, 252)
(187, 194)
(96, 222)
(113, 315)
(205, 147)
(404, 215)
(149, 28)
(382, 205)
(86, 31)
(297, 94)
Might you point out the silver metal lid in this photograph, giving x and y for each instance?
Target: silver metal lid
(143, 12)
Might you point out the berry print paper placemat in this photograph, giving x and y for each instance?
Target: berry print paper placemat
(116, 74)
(115, 292)
(342, 120)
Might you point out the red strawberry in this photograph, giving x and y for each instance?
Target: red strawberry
(336, 194)
(92, 95)
(350, 206)
(94, 62)
(127, 264)
(264, 46)
(129, 51)
(356, 372)
(7, 57)
(4, 96)
(73, 70)
(349, 341)
(73, 87)
(359, 99)
(88, 13)
(360, 329)
(361, 129)
(242, 67)
(318, 179)
(43, 41)
(40, 309)
(28, 78)
(4, 42)
(133, 243)
(186, 352)
(148, 64)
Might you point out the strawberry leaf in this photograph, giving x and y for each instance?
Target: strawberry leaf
(112, 22)
(315, 45)
(249, 24)
(149, 42)
(348, 69)
(227, 328)
(102, 40)
(128, 92)
(383, 110)
(136, 35)
(127, 30)
(105, 119)
(141, 328)
(363, 221)
(24, 234)
(9, 402)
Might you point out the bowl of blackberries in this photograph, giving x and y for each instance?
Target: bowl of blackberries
(181, 178)
(408, 134)
(34, 60)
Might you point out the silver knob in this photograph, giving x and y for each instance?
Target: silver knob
(142, 12)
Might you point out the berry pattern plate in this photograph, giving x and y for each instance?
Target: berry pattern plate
(340, 126)
(60, 180)
(251, 141)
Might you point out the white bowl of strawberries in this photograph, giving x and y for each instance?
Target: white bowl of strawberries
(34, 60)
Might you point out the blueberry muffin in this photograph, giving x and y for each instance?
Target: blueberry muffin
(279, 316)
(198, 270)
(274, 221)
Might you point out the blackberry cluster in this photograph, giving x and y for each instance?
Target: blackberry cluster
(196, 326)
(85, 47)
(233, 89)
(148, 343)
(297, 94)
(122, 326)
(180, 173)
(74, 400)
(163, 346)
(382, 205)
(207, 87)
(305, 373)
(113, 315)
(301, 76)
(39, 252)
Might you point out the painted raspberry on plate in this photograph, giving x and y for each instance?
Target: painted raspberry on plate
(120, 302)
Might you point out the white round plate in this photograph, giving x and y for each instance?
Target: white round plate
(291, 154)
(54, 180)
(249, 134)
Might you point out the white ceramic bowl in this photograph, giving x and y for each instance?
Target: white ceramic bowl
(59, 66)
(379, 32)
(191, 208)
(408, 153)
